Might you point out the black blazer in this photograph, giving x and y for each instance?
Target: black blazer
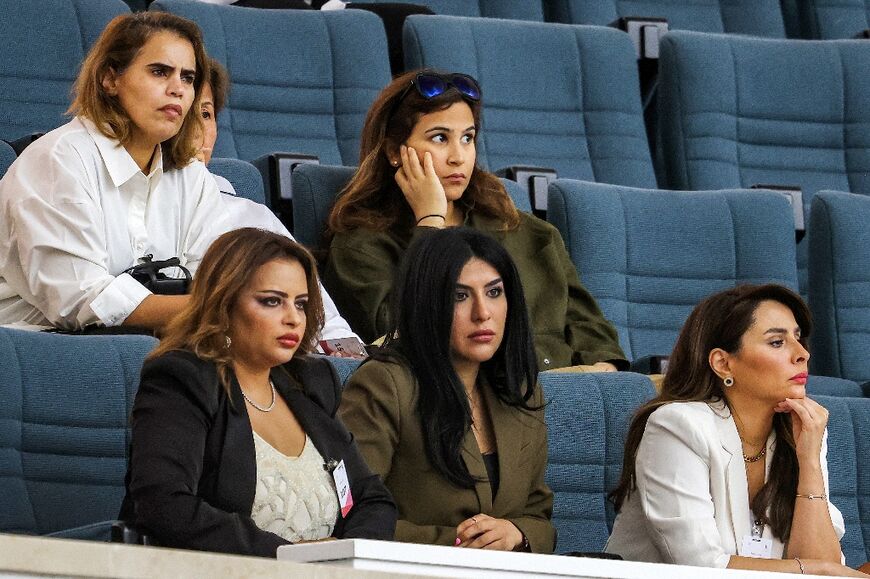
(192, 475)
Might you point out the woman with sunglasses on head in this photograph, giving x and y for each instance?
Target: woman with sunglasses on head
(449, 412)
(236, 447)
(727, 467)
(418, 173)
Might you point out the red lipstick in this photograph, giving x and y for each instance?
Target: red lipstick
(290, 340)
(799, 378)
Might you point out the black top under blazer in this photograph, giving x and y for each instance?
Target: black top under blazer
(192, 475)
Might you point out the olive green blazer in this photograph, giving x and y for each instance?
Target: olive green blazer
(379, 406)
(567, 324)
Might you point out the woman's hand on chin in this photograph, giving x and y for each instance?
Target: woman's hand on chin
(421, 186)
(484, 532)
(808, 422)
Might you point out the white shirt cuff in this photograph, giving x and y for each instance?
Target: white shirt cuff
(119, 299)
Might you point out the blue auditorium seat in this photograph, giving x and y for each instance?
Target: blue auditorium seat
(43, 44)
(839, 242)
(315, 188)
(514, 9)
(244, 177)
(849, 471)
(7, 157)
(303, 80)
(64, 430)
(829, 19)
(736, 112)
(587, 420)
(558, 96)
(756, 17)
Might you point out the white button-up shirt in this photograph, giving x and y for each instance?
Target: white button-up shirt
(76, 211)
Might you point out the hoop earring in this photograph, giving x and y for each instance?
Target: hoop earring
(728, 381)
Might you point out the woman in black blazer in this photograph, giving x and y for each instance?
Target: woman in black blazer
(236, 447)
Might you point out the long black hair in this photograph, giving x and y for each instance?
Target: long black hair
(420, 328)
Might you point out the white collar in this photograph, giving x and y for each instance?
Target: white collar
(119, 164)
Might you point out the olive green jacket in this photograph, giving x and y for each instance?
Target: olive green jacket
(379, 406)
(568, 326)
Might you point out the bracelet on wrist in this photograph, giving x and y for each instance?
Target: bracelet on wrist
(431, 215)
(822, 496)
(800, 565)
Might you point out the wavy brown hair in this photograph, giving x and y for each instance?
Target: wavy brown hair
(113, 52)
(372, 199)
(720, 321)
(226, 269)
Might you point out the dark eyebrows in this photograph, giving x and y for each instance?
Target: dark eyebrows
(448, 130)
(164, 66)
(273, 292)
(494, 282)
(797, 330)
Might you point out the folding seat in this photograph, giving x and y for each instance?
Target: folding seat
(829, 19)
(650, 256)
(755, 17)
(316, 188)
(244, 177)
(737, 112)
(839, 244)
(44, 42)
(587, 421)
(554, 96)
(513, 9)
(64, 430)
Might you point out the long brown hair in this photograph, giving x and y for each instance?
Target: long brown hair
(720, 321)
(372, 199)
(225, 271)
(114, 50)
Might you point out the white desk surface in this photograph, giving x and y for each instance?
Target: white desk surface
(439, 561)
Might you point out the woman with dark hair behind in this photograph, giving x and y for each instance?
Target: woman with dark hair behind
(449, 412)
(235, 444)
(417, 172)
(727, 466)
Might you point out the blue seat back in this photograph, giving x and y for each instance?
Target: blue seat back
(840, 284)
(302, 80)
(64, 428)
(514, 9)
(829, 19)
(756, 17)
(647, 278)
(44, 43)
(831, 386)
(315, 188)
(7, 157)
(587, 420)
(558, 96)
(244, 177)
(736, 112)
(849, 472)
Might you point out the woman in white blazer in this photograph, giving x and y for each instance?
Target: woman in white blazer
(727, 466)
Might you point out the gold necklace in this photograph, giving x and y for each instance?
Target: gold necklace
(757, 457)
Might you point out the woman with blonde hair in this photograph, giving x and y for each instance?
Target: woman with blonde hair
(418, 172)
(235, 445)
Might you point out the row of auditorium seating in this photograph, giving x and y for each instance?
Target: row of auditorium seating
(64, 437)
(825, 19)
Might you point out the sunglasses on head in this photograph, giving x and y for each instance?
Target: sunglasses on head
(431, 85)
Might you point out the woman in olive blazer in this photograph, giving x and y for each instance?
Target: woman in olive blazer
(460, 441)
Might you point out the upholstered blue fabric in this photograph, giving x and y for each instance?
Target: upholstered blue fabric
(840, 284)
(244, 177)
(344, 366)
(649, 256)
(849, 472)
(514, 9)
(43, 44)
(829, 19)
(735, 112)
(302, 80)
(554, 95)
(7, 157)
(587, 420)
(829, 386)
(315, 188)
(64, 429)
(756, 17)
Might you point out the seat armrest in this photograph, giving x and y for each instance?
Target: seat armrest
(650, 365)
(535, 180)
(277, 172)
(645, 33)
(795, 196)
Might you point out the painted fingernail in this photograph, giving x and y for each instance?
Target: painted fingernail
(456, 543)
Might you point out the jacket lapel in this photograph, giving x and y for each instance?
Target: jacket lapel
(508, 440)
(735, 477)
(474, 463)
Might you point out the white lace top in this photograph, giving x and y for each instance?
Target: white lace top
(295, 497)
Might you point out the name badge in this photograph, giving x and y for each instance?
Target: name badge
(342, 488)
(344, 348)
(756, 547)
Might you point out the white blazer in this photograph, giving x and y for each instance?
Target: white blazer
(691, 505)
